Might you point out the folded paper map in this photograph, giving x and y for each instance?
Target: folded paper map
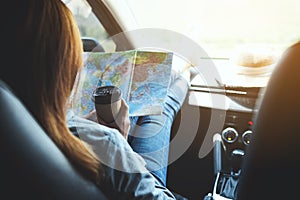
(143, 77)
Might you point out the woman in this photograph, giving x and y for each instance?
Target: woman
(42, 75)
(43, 72)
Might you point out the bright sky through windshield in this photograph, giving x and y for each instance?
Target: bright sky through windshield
(220, 25)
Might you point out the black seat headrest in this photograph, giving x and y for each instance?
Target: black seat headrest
(32, 166)
(272, 162)
(91, 45)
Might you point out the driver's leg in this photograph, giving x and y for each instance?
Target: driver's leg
(150, 136)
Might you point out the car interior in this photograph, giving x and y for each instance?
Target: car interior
(33, 166)
(235, 136)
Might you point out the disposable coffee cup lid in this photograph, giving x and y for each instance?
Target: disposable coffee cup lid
(106, 94)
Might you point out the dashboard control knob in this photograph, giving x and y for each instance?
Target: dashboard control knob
(230, 134)
(246, 137)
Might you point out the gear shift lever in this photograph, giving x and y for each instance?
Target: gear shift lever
(217, 139)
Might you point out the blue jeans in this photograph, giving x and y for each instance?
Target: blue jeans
(150, 135)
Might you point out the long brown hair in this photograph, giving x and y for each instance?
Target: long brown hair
(49, 54)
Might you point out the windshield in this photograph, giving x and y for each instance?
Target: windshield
(224, 29)
(219, 26)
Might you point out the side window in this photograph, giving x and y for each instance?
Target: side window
(89, 25)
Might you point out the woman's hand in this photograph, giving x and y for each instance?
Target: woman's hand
(91, 116)
(121, 122)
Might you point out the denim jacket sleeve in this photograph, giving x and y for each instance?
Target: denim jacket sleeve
(125, 174)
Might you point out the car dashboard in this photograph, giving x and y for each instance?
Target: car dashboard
(236, 98)
(236, 106)
(226, 110)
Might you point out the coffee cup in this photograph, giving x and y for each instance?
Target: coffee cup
(107, 101)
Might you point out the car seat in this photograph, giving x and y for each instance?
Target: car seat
(271, 169)
(91, 44)
(32, 166)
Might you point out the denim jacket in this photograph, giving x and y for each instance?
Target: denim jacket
(126, 176)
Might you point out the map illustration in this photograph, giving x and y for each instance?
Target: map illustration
(143, 77)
